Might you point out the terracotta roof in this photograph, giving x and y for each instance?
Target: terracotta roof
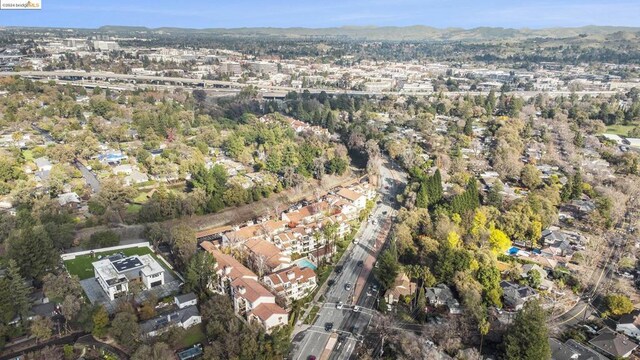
(267, 249)
(307, 211)
(265, 311)
(301, 275)
(213, 231)
(223, 260)
(257, 230)
(349, 194)
(253, 290)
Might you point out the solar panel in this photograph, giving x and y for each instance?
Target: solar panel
(127, 264)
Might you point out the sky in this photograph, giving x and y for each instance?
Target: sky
(326, 13)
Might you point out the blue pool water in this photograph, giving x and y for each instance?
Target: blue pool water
(306, 263)
(513, 250)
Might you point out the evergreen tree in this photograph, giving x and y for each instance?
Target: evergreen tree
(576, 187)
(528, 338)
(18, 292)
(422, 199)
(468, 127)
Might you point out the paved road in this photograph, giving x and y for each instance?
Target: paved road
(89, 176)
(356, 265)
(600, 277)
(82, 76)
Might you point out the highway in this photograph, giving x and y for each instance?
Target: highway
(357, 264)
(82, 78)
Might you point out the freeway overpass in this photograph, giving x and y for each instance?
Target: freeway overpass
(83, 78)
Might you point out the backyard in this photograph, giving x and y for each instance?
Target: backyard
(81, 265)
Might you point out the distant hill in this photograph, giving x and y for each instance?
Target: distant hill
(408, 33)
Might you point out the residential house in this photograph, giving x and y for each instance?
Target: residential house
(183, 317)
(114, 273)
(401, 287)
(441, 295)
(43, 164)
(572, 350)
(515, 296)
(251, 300)
(185, 300)
(293, 283)
(70, 199)
(629, 324)
(613, 344)
(545, 283)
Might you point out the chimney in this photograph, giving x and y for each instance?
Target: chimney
(227, 270)
(241, 290)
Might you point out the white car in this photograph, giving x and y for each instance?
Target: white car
(339, 305)
(356, 308)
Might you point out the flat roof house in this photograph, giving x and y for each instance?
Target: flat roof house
(116, 271)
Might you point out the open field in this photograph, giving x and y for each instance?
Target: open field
(622, 130)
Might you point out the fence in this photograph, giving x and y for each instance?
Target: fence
(72, 256)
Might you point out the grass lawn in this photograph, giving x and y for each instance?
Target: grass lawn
(28, 155)
(312, 315)
(192, 336)
(81, 265)
(141, 198)
(133, 208)
(620, 129)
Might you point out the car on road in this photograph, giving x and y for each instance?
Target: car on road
(331, 282)
(360, 263)
(386, 186)
(311, 357)
(355, 241)
(379, 202)
(328, 326)
(338, 269)
(347, 286)
(385, 212)
(356, 308)
(339, 305)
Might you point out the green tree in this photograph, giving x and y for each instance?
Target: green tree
(14, 294)
(101, 239)
(184, 242)
(41, 328)
(618, 304)
(533, 278)
(100, 322)
(57, 287)
(530, 176)
(125, 329)
(528, 338)
(387, 270)
(200, 272)
(33, 251)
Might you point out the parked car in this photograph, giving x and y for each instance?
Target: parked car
(328, 326)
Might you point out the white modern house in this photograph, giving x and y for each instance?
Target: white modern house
(115, 272)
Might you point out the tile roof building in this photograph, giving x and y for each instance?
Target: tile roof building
(293, 283)
(251, 300)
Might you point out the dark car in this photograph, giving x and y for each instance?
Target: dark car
(384, 212)
(331, 282)
(338, 269)
(360, 263)
(328, 326)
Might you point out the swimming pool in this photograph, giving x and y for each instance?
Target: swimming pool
(304, 262)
